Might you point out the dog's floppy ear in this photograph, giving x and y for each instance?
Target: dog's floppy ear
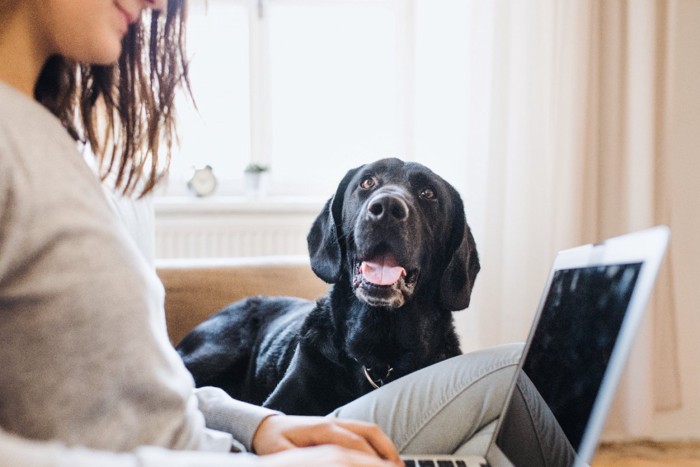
(458, 279)
(325, 249)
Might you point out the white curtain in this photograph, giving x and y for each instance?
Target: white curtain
(583, 118)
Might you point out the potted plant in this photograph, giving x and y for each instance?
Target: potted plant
(254, 179)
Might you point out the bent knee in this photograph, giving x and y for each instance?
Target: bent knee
(489, 359)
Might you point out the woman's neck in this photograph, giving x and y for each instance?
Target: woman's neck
(21, 55)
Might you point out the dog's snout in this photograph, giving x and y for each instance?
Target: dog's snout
(387, 207)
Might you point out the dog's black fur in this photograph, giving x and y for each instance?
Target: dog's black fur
(302, 357)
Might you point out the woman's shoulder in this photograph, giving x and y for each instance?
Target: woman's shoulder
(34, 146)
(26, 123)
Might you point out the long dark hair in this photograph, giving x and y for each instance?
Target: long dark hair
(125, 111)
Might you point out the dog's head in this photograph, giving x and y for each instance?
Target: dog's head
(395, 228)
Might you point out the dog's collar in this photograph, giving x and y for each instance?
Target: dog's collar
(376, 383)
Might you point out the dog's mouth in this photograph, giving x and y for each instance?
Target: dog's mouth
(381, 281)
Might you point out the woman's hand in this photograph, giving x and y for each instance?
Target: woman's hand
(363, 443)
(323, 456)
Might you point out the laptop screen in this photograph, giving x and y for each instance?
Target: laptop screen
(565, 364)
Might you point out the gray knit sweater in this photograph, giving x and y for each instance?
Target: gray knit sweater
(84, 356)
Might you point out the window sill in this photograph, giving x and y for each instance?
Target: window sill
(175, 205)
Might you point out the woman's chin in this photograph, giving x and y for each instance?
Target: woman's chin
(100, 52)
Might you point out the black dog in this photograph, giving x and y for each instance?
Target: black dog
(395, 244)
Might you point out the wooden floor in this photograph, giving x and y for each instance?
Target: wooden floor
(648, 454)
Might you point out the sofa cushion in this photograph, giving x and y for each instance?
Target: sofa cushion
(194, 289)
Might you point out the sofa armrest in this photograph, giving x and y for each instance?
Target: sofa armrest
(195, 289)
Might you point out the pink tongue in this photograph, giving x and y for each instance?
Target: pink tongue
(382, 270)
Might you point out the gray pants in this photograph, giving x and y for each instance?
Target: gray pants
(450, 407)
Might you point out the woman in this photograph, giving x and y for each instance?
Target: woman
(89, 377)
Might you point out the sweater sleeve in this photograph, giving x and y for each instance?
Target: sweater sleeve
(223, 413)
(10, 221)
(20, 452)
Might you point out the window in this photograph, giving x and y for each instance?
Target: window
(218, 131)
(309, 88)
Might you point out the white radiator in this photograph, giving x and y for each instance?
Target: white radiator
(194, 228)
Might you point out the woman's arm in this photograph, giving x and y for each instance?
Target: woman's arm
(20, 452)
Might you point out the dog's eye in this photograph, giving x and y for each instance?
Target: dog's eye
(428, 193)
(368, 183)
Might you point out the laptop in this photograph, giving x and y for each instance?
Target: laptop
(585, 324)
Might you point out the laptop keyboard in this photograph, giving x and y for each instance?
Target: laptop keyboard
(436, 463)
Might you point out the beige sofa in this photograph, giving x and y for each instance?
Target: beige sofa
(194, 289)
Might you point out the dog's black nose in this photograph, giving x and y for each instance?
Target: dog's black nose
(387, 207)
